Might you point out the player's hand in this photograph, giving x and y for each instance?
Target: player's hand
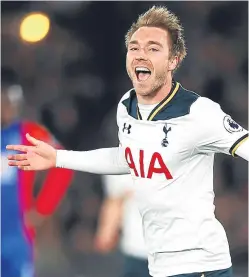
(39, 156)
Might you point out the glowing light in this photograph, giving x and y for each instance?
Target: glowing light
(34, 27)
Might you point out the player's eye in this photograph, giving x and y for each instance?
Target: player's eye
(133, 48)
(153, 49)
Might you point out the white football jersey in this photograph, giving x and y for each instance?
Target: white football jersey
(171, 156)
(132, 240)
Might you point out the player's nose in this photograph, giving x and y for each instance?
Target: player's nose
(141, 58)
(141, 54)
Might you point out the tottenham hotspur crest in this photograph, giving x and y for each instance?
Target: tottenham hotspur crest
(165, 141)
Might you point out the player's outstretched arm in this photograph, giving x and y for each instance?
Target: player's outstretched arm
(41, 156)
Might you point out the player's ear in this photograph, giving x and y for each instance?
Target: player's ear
(173, 63)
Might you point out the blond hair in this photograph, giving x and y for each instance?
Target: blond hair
(162, 18)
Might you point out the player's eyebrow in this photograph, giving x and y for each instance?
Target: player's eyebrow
(154, 42)
(150, 42)
(133, 42)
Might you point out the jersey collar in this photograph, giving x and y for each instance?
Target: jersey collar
(162, 104)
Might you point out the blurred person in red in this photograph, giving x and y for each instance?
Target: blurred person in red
(21, 211)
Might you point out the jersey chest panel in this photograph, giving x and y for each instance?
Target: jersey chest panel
(155, 149)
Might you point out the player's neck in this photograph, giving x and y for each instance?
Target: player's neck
(157, 96)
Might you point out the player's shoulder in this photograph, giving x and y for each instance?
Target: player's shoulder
(205, 107)
(126, 98)
(176, 104)
(127, 95)
(126, 101)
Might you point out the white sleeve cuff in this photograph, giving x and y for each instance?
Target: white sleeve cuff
(61, 157)
(243, 149)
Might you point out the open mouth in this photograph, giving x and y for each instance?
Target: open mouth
(142, 73)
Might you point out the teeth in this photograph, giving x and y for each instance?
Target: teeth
(144, 69)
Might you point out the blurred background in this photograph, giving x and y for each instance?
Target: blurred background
(72, 74)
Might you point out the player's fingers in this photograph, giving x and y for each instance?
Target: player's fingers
(24, 167)
(22, 148)
(19, 163)
(17, 157)
(33, 140)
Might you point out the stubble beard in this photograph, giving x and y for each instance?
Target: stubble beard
(151, 90)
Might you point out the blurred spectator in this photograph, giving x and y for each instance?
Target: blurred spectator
(120, 220)
(23, 211)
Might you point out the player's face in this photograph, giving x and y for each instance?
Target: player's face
(148, 60)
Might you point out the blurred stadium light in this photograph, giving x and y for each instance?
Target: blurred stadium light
(34, 27)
